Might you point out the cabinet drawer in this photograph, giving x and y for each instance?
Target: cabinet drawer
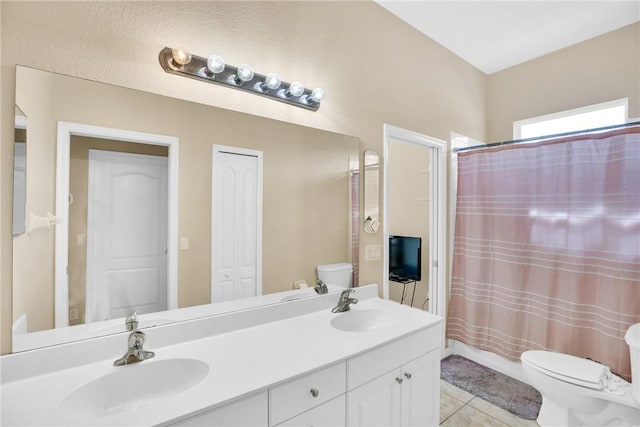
(383, 359)
(329, 414)
(294, 397)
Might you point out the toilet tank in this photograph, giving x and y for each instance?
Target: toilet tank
(632, 337)
(340, 274)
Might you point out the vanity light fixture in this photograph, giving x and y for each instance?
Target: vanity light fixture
(213, 69)
(271, 82)
(296, 88)
(215, 65)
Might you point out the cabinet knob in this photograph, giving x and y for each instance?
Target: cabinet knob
(399, 380)
(314, 392)
(407, 375)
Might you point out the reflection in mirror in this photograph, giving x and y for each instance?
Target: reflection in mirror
(308, 209)
(117, 233)
(371, 191)
(19, 172)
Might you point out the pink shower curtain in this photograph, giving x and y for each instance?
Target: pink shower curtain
(547, 247)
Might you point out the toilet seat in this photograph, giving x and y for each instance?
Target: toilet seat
(571, 369)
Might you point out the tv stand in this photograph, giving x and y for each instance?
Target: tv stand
(404, 281)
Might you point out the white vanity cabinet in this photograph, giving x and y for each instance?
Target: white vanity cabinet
(248, 411)
(396, 384)
(311, 371)
(329, 414)
(309, 399)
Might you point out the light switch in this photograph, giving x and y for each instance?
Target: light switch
(372, 252)
(184, 243)
(81, 239)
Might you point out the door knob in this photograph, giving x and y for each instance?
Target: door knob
(407, 375)
(314, 392)
(399, 380)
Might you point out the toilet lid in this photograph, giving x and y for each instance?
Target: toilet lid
(575, 370)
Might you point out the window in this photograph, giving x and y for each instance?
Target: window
(590, 117)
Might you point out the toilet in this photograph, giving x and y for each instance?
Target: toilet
(581, 392)
(340, 274)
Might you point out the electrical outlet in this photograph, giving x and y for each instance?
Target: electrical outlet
(73, 314)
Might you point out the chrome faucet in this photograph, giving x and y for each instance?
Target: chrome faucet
(321, 287)
(135, 353)
(344, 303)
(131, 321)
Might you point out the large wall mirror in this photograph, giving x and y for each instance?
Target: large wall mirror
(123, 189)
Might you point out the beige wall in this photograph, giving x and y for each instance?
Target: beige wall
(409, 208)
(357, 51)
(597, 70)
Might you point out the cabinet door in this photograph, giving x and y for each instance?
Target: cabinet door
(248, 412)
(376, 403)
(329, 414)
(421, 391)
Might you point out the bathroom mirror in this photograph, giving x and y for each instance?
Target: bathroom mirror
(309, 178)
(19, 171)
(371, 191)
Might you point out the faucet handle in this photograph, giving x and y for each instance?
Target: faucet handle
(136, 340)
(131, 321)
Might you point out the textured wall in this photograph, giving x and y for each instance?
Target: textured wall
(597, 70)
(375, 68)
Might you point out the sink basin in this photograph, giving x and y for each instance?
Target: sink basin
(134, 386)
(359, 320)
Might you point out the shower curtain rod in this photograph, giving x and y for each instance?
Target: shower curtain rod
(538, 138)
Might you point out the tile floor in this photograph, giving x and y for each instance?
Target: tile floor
(461, 409)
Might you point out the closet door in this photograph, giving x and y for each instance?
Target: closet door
(236, 224)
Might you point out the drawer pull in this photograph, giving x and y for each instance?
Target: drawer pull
(314, 392)
(399, 380)
(407, 375)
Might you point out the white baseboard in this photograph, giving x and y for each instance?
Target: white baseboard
(488, 359)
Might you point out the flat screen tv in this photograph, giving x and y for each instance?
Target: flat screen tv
(404, 257)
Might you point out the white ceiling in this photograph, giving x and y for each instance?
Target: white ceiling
(494, 35)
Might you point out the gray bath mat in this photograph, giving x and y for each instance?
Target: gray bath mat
(509, 394)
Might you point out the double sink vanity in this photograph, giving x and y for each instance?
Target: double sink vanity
(290, 363)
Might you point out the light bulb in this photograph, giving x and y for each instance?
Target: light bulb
(317, 94)
(244, 74)
(215, 64)
(296, 88)
(181, 55)
(271, 82)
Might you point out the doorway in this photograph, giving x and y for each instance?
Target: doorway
(425, 188)
(236, 223)
(64, 197)
(126, 234)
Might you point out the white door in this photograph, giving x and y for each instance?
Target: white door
(376, 403)
(421, 391)
(236, 223)
(126, 234)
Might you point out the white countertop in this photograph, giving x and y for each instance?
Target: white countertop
(240, 362)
